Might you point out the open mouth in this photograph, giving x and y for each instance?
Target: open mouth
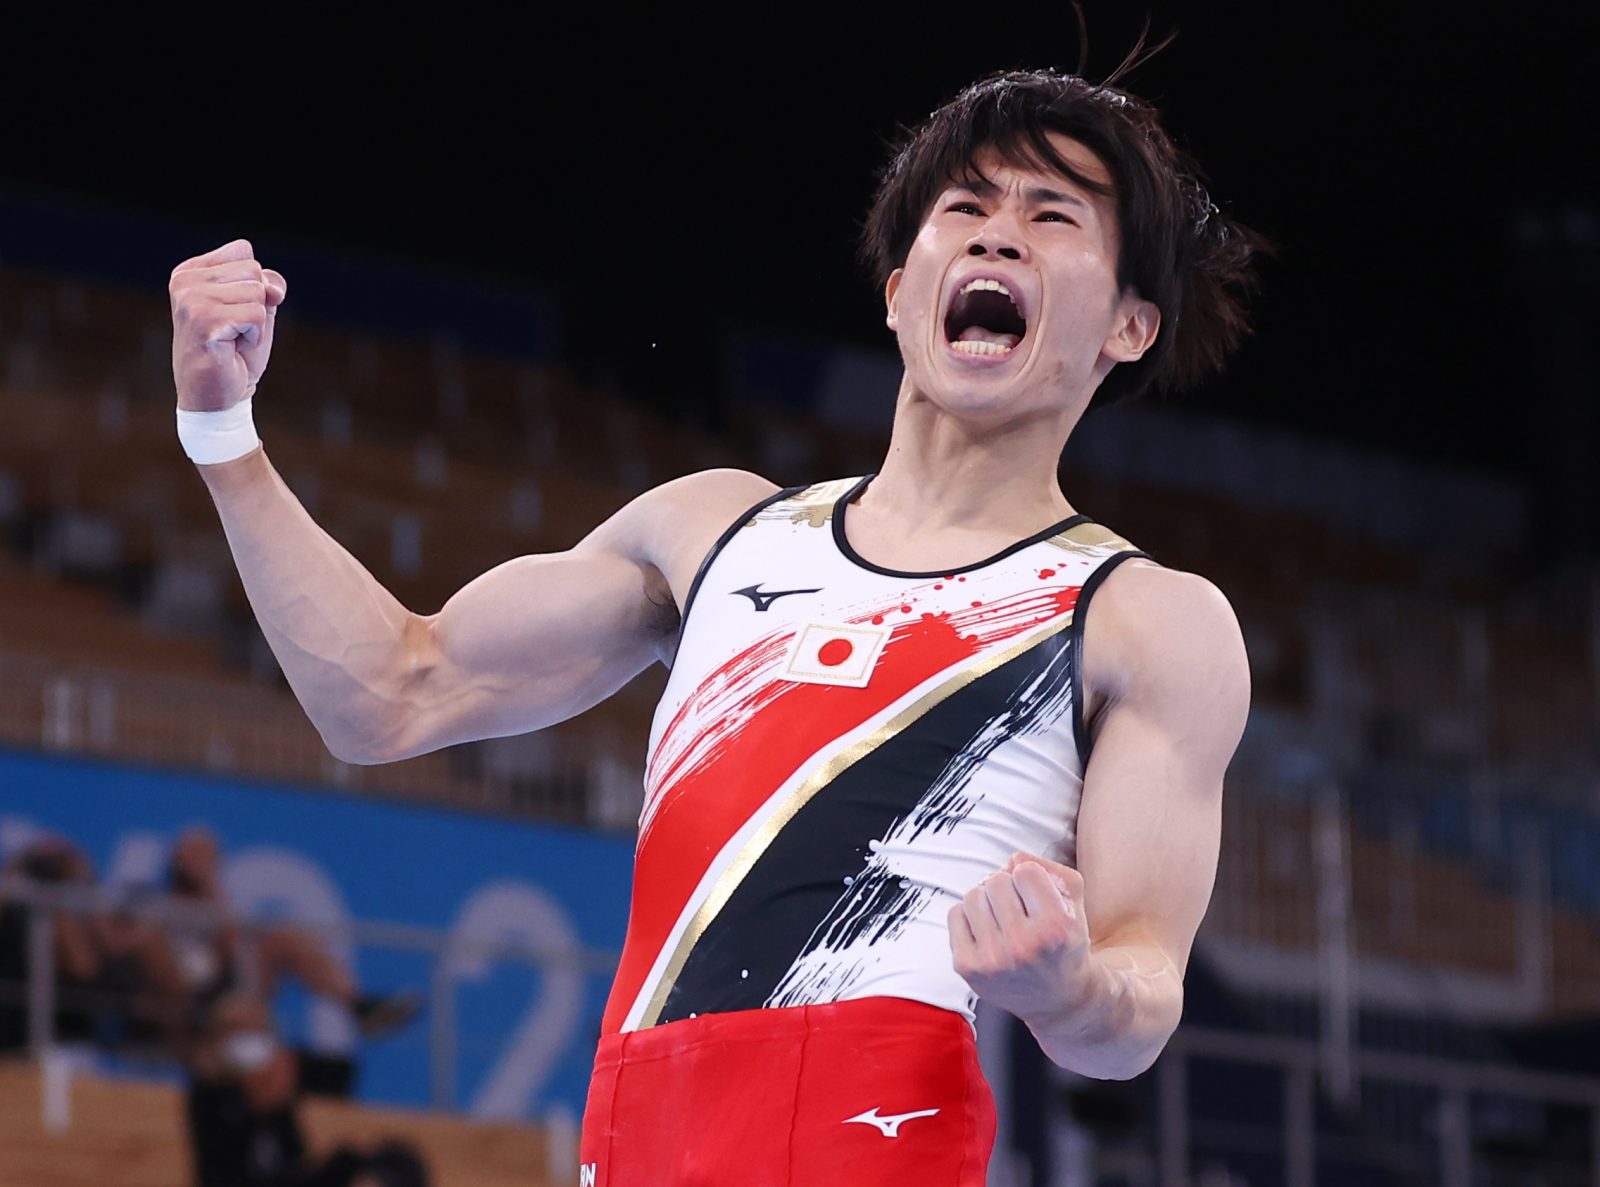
(984, 319)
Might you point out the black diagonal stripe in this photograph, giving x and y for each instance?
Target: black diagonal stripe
(791, 898)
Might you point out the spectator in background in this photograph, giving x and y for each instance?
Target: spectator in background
(110, 966)
(210, 958)
(243, 1114)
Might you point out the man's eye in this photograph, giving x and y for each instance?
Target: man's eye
(965, 208)
(1053, 216)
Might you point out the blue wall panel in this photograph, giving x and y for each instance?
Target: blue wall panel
(525, 1037)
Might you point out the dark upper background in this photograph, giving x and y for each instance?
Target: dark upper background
(667, 176)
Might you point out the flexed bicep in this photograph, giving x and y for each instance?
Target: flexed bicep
(531, 642)
(539, 639)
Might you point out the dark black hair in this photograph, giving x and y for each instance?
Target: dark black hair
(1178, 249)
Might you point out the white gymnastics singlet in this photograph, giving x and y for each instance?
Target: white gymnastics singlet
(841, 753)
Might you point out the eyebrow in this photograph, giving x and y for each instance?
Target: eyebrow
(985, 188)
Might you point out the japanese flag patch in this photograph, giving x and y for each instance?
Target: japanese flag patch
(824, 654)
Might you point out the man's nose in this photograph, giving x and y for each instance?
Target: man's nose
(999, 237)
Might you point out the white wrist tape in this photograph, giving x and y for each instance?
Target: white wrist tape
(212, 437)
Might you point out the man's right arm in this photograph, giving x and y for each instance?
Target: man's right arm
(532, 642)
(527, 644)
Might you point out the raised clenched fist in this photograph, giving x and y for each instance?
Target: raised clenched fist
(223, 307)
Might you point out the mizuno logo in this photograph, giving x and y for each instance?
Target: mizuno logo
(586, 1174)
(889, 1125)
(764, 601)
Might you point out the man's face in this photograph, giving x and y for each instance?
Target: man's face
(195, 859)
(1008, 302)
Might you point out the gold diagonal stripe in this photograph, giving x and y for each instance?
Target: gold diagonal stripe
(802, 795)
(1090, 537)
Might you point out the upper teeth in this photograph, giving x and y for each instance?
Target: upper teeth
(993, 286)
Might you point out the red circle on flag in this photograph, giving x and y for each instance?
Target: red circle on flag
(834, 652)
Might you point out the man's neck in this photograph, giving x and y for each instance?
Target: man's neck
(942, 473)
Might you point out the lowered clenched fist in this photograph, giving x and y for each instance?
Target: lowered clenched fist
(1021, 940)
(223, 307)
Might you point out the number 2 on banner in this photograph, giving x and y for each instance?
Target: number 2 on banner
(515, 913)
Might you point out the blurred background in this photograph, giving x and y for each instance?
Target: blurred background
(538, 266)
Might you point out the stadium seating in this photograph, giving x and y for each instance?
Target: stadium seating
(432, 465)
(131, 1133)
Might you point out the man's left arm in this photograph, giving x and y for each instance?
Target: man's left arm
(1092, 959)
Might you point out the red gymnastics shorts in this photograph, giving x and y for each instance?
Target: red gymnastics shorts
(877, 1092)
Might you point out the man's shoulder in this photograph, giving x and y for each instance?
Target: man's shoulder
(1163, 629)
(673, 524)
(1143, 591)
(688, 504)
(723, 487)
(702, 502)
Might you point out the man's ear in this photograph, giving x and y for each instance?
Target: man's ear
(1135, 331)
(891, 290)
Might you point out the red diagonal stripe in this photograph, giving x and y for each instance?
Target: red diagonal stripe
(792, 725)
